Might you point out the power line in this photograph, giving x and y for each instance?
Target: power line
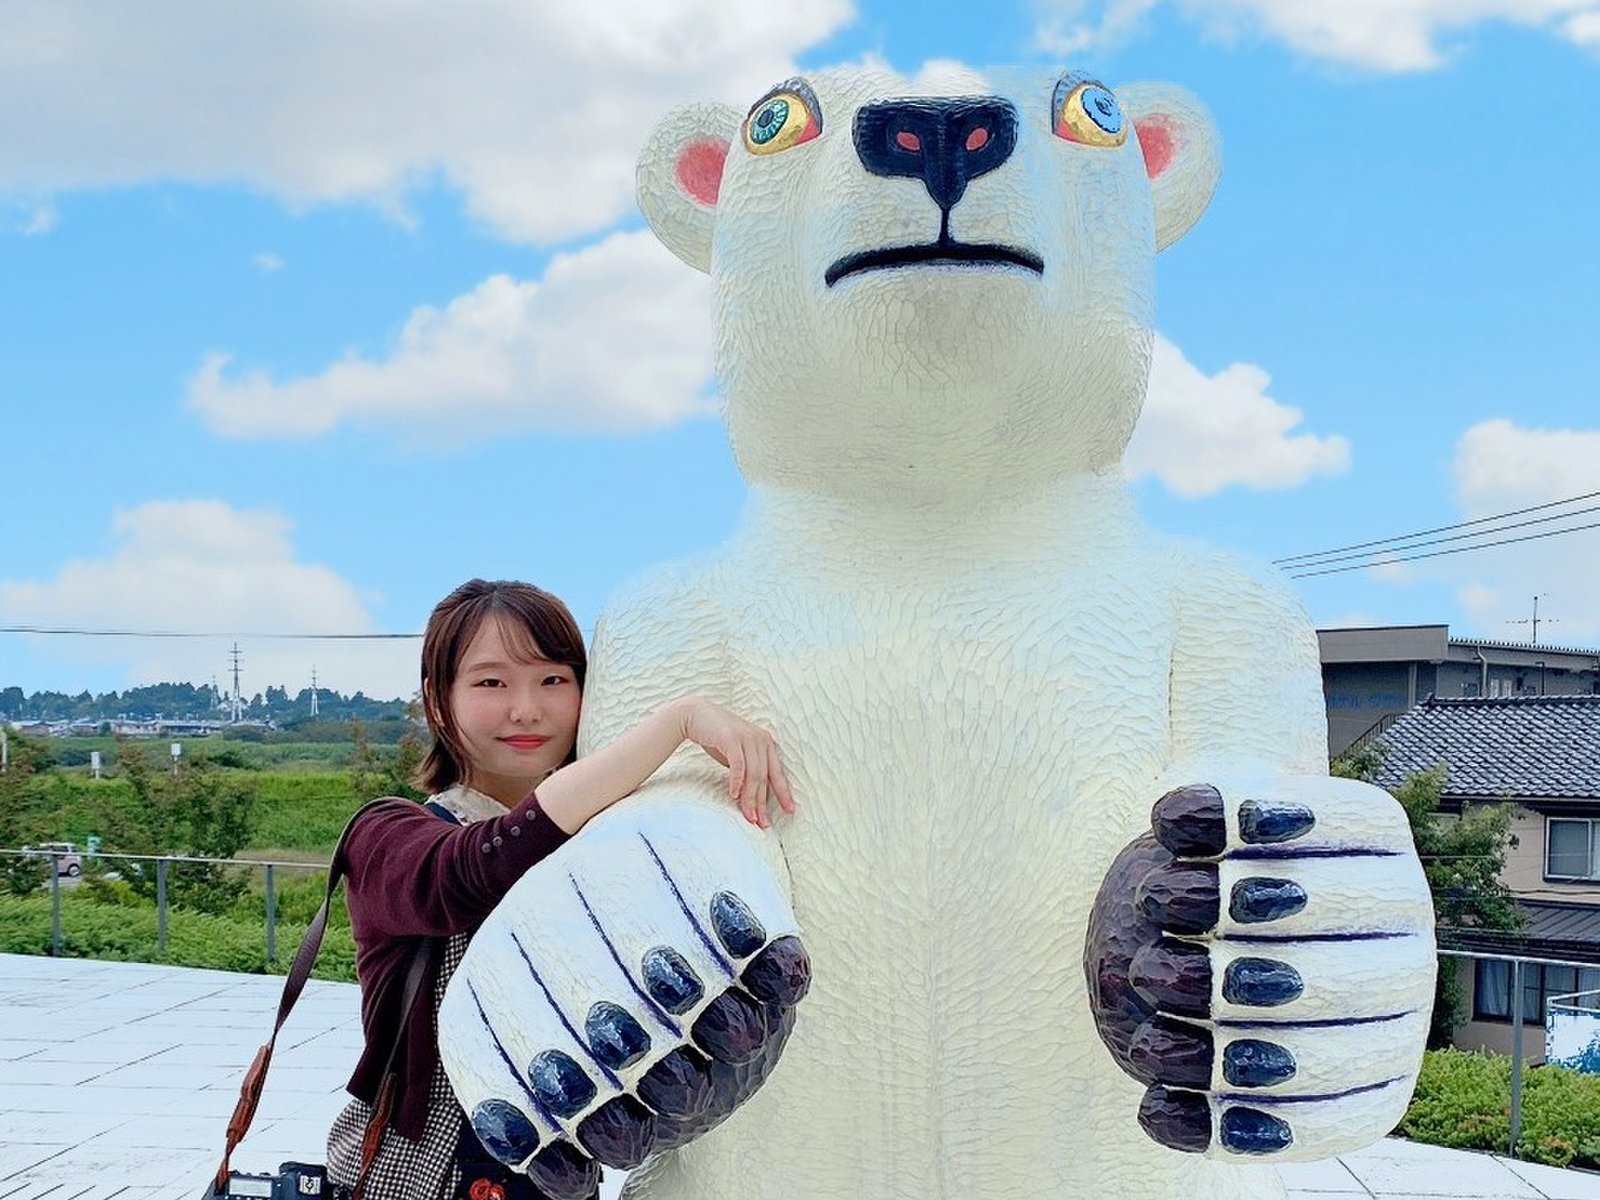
(173, 633)
(1379, 561)
(1387, 555)
(1406, 537)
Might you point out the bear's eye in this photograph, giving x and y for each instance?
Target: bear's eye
(1086, 112)
(786, 116)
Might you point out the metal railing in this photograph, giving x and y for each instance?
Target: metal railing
(1576, 1002)
(1370, 734)
(163, 864)
(1517, 961)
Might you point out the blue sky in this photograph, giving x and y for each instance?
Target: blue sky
(309, 312)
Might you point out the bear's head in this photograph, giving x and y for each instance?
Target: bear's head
(931, 288)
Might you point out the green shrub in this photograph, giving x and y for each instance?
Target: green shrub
(301, 810)
(298, 895)
(119, 934)
(1464, 1101)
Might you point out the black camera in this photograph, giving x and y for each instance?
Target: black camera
(294, 1181)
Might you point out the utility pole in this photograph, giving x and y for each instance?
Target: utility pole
(237, 708)
(313, 689)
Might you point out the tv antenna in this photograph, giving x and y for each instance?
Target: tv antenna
(1534, 622)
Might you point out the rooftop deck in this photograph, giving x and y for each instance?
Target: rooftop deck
(116, 1080)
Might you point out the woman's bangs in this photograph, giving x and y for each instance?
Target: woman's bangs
(519, 638)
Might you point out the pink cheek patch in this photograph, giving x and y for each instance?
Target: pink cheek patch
(1157, 142)
(700, 170)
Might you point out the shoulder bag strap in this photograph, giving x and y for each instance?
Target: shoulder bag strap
(372, 1138)
(299, 971)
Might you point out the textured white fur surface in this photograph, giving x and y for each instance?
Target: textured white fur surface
(982, 669)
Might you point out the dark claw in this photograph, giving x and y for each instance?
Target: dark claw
(732, 1028)
(505, 1132)
(1261, 982)
(731, 1087)
(1258, 899)
(1266, 824)
(619, 1133)
(679, 1085)
(737, 928)
(1174, 1053)
(1251, 1063)
(671, 980)
(560, 1083)
(615, 1037)
(562, 1172)
(1182, 897)
(1178, 1120)
(1251, 1131)
(780, 974)
(1174, 976)
(1188, 821)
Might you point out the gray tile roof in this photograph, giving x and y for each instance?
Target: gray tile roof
(1565, 931)
(1524, 746)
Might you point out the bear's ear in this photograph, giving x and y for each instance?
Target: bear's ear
(1182, 154)
(680, 177)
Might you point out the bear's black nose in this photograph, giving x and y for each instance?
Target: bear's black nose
(945, 143)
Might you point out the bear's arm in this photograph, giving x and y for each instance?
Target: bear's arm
(1246, 680)
(660, 640)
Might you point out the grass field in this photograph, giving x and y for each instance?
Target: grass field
(294, 810)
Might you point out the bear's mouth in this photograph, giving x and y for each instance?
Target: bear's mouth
(944, 252)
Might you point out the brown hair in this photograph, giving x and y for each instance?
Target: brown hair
(536, 625)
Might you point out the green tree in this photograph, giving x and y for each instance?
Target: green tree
(198, 809)
(373, 774)
(19, 876)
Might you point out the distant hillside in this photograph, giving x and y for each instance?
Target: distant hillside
(186, 700)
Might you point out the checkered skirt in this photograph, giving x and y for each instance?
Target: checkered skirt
(424, 1169)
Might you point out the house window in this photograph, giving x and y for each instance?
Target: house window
(1491, 993)
(1571, 849)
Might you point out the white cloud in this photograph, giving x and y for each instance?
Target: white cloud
(1201, 433)
(616, 336)
(1584, 28)
(1383, 35)
(268, 263)
(41, 219)
(1500, 466)
(202, 566)
(534, 109)
(1396, 573)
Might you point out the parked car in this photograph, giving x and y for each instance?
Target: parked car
(68, 859)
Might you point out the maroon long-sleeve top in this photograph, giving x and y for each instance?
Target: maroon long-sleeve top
(413, 876)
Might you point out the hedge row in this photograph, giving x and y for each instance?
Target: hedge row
(1464, 1101)
(120, 933)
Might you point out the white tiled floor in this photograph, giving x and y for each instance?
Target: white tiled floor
(117, 1079)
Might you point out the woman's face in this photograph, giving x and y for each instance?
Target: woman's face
(516, 717)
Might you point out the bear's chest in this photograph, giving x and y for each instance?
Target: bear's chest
(972, 714)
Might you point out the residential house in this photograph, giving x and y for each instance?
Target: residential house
(1541, 753)
(1372, 675)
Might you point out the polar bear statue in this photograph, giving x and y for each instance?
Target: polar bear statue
(1079, 910)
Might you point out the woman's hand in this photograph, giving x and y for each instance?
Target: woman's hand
(755, 769)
